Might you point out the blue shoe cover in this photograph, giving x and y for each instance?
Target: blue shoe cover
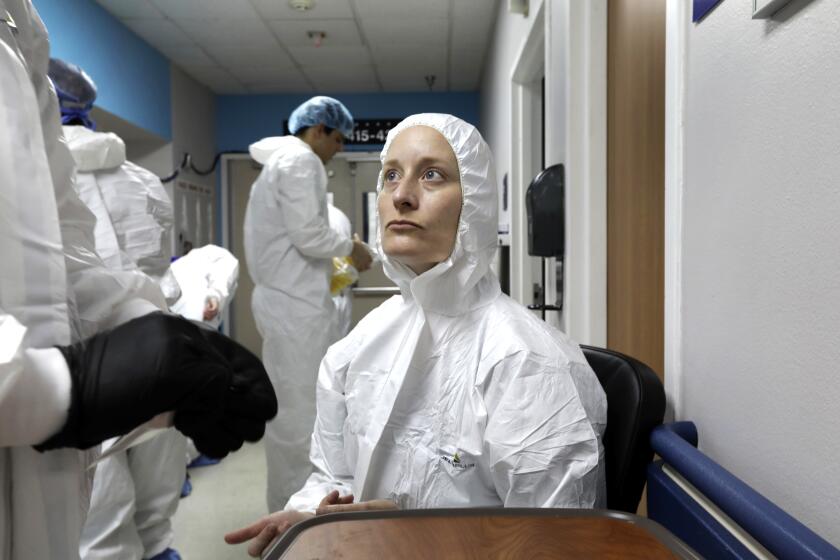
(186, 489)
(168, 554)
(202, 461)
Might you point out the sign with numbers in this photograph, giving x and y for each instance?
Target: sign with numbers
(367, 132)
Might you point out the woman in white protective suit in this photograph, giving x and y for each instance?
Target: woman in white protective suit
(83, 357)
(451, 394)
(135, 492)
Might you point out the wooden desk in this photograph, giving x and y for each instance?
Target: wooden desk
(480, 533)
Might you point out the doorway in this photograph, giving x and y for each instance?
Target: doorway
(636, 180)
(352, 178)
(527, 160)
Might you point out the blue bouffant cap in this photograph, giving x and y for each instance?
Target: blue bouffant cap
(322, 110)
(76, 92)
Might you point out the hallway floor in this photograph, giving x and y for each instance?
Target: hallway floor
(226, 496)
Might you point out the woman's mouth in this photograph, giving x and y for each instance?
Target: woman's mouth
(403, 225)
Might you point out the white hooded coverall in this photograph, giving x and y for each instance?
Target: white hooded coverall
(288, 249)
(135, 492)
(452, 394)
(205, 272)
(54, 289)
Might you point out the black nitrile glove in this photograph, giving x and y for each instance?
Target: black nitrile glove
(124, 377)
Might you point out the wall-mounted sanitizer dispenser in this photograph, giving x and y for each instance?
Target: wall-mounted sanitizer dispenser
(545, 206)
(544, 203)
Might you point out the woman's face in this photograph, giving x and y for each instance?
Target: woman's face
(420, 202)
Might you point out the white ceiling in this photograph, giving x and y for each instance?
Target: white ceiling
(261, 46)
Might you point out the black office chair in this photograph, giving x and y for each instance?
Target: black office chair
(635, 405)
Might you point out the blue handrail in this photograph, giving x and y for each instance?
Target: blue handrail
(778, 532)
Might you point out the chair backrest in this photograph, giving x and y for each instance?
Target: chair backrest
(635, 406)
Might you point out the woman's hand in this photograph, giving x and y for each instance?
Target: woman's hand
(211, 308)
(266, 530)
(332, 503)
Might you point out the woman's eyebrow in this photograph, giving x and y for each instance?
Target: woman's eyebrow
(422, 162)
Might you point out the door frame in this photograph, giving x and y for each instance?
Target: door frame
(677, 24)
(573, 36)
(226, 207)
(225, 213)
(528, 69)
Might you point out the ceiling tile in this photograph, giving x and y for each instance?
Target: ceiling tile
(186, 56)
(408, 10)
(323, 9)
(279, 87)
(130, 8)
(474, 8)
(412, 78)
(346, 78)
(259, 74)
(251, 56)
(408, 55)
(290, 82)
(207, 9)
(472, 31)
(293, 33)
(465, 78)
(467, 58)
(202, 73)
(386, 33)
(331, 56)
(222, 33)
(225, 87)
(158, 32)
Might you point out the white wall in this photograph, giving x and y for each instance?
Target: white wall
(508, 37)
(575, 74)
(511, 34)
(761, 251)
(193, 132)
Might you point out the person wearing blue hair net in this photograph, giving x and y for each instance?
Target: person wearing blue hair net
(135, 492)
(86, 352)
(289, 247)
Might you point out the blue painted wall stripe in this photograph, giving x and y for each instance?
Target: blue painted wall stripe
(243, 119)
(132, 77)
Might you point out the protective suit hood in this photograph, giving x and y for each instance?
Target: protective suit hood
(94, 151)
(261, 150)
(464, 281)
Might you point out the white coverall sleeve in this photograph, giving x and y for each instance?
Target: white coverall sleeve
(296, 179)
(222, 276)
(330, 470)
(34, 388)
(543, 449)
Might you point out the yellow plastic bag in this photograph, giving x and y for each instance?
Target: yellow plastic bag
(344, 274)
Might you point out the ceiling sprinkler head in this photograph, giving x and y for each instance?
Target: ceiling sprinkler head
(430, 80)
(317, 37)
(301, 5)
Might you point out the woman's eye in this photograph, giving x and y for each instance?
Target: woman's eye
(391, 176)
(432, 175)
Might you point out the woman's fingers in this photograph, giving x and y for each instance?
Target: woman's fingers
(361, 506)
(246, 533)
(332, 499)
(329, 499)
(265, 538)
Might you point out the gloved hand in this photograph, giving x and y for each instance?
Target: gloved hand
(122, 378)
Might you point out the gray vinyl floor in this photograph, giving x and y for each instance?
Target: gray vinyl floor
(224, 497)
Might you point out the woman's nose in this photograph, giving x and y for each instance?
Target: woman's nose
(405, 196)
